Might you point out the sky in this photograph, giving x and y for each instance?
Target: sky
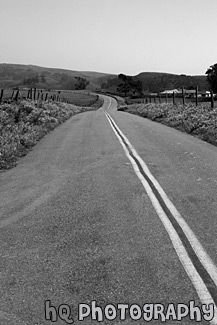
(111, 36)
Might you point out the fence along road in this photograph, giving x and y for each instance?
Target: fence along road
(78, 225)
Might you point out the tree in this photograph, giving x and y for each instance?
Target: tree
(81, 83)
(212, 77)
(129, 85)
(137, 87)
(126, 84)
(43, 80)
(31, 82)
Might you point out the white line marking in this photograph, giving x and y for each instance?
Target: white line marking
(110, 103)
(205, 260)
(203, 256)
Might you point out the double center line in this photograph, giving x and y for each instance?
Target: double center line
(196, 262)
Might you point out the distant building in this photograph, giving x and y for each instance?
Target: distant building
(190, 93)
(170, 92)
(204, 94)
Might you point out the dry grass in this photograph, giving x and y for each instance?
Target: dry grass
(24, 123)
(79, 98)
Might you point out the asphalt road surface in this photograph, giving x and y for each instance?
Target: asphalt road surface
(114, 212)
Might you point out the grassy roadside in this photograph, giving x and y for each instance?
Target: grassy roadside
(198, 121)
(24, 123)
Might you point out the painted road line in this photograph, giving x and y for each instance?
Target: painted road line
(110, 102)
(203, 256)
(198, 265)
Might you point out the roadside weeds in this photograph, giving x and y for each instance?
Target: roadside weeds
(24, 123)
(198, 121)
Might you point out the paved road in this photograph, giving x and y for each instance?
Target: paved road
(83, 219)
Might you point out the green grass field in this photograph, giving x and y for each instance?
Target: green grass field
(79, 98)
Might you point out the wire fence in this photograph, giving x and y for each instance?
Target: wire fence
(182, 97)
(8, 95)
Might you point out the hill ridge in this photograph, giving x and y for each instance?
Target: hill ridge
(21, 75)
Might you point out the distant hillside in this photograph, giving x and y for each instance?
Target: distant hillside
(13, 75)
(156, 81)
(159, 81)
(17, 75)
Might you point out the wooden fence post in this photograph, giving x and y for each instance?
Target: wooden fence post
(183, 96)
(16, 96)
(34, 94)
(42, 96)
(212, 99)
(197, 96)
(174, 98)
(46, 96)
(12, 96)
(1, 95)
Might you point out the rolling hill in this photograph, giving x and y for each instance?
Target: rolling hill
(16, 75)
(159, 81)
